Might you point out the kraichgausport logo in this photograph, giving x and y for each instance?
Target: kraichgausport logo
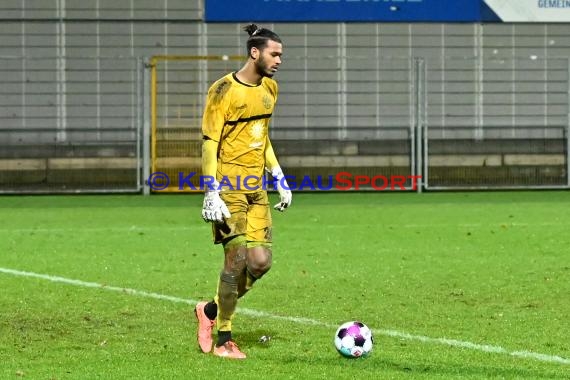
(343, 181)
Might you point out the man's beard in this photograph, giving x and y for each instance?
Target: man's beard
(262, 69)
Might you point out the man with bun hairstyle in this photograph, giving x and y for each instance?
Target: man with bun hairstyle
(236, 152)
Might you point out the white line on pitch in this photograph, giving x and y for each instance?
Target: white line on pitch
(305, 321)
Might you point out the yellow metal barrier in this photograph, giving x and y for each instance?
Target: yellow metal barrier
(178, 90)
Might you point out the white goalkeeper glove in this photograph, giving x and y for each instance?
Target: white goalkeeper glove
(214, 209)
(285, 195)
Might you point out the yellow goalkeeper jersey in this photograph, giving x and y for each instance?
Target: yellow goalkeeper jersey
(237, 116)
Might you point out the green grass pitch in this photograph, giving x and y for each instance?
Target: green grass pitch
(454, 285)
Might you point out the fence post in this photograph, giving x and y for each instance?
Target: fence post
(146, 124)
(568, 123)
(419, 85)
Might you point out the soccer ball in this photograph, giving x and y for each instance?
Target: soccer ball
(353, 339)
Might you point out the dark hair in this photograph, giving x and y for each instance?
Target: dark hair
(258, 37)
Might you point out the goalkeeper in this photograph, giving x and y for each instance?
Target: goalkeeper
(236, 148)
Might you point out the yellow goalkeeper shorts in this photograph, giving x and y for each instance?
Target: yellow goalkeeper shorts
(250, 216)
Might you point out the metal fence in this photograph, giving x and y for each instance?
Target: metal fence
(70, 125)
(91, 124)
(496, 123)
(459, 123)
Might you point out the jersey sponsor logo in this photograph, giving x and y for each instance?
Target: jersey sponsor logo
(257, 129)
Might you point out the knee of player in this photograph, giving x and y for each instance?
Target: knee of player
(259, 260)
(259, 267)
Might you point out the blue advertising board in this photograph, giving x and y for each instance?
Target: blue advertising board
(343, 10)
(387, 10)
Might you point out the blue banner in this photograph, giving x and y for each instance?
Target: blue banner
(387, 11)
(343, 11)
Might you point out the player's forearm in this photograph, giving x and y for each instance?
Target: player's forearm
(209, 158)
(271, 162)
